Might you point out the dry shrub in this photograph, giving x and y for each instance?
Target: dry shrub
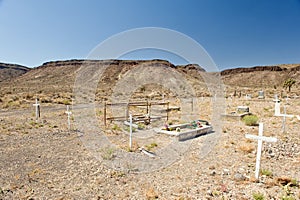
(287, 181)
(151, 194)
(246, 148)
(250, 120)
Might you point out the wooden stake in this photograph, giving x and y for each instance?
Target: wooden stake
(284, 120)
(168, 108)
(68, 112)
(104, 114)
(130, 128)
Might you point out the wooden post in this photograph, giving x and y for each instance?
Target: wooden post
(127, 112)
(37, 110)
(168, 109)
(104, 114)
(147, 111)
(284, 120)
(68, 112)
(130, 135)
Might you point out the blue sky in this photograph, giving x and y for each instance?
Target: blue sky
(235, 33)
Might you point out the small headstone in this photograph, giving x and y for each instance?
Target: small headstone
(248, 96)
(261, 94)
(242, 109)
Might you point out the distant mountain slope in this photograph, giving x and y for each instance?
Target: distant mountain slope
(53, 81)
(261, 76)
(10, 71)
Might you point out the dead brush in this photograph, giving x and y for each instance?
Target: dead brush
(246, 147)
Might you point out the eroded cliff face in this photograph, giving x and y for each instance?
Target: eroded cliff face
(252, 69)
(56, 77)
(10, 71)
(275, 68)
(261, 76)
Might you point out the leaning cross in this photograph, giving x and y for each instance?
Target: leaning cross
(68, 112)
(37, 109)
(260, 139)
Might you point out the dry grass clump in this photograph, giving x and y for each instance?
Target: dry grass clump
(246, 147)
(250, 120)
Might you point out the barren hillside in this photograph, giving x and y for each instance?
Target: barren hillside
(10, 71)
(53, 82)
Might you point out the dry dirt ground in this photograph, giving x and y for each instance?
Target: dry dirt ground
(45, 160)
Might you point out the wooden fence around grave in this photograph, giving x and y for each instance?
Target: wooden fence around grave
(146, 117)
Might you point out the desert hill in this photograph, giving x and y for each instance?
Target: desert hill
(53, 81)
(9, 71)
(267, 78)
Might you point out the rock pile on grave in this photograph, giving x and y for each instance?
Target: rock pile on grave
(282, 149)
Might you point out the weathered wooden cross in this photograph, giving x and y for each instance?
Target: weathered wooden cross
(69, 113)
(260, 139)
(37, 110)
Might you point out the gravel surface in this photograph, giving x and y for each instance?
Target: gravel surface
(46, 161)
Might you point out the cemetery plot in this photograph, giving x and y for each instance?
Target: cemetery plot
(42, 158)
(141, 111)
(240, 112)
(188, 130)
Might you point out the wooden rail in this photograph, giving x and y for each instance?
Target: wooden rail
(135, 104)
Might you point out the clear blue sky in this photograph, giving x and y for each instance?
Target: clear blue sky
(234, 32)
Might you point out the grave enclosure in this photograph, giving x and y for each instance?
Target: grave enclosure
(140, 111)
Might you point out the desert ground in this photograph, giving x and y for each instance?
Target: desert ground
(45, 159)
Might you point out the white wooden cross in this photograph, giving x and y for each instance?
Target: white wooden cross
(69, 113)
(260, 139)
(277, 107)
(37, 110)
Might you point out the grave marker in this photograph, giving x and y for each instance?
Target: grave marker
(284, 119)
(130, 129)
(242, 109)
(68, 112)
(248, 96)
(37, 110)
(261, 94)
(286, 100)
(260, 138)
(277, 106)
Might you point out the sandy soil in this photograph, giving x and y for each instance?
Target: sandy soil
(45, 160)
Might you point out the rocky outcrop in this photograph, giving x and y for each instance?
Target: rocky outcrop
(9, 71)
(190, 67)
(252, 69)
(79, 63)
